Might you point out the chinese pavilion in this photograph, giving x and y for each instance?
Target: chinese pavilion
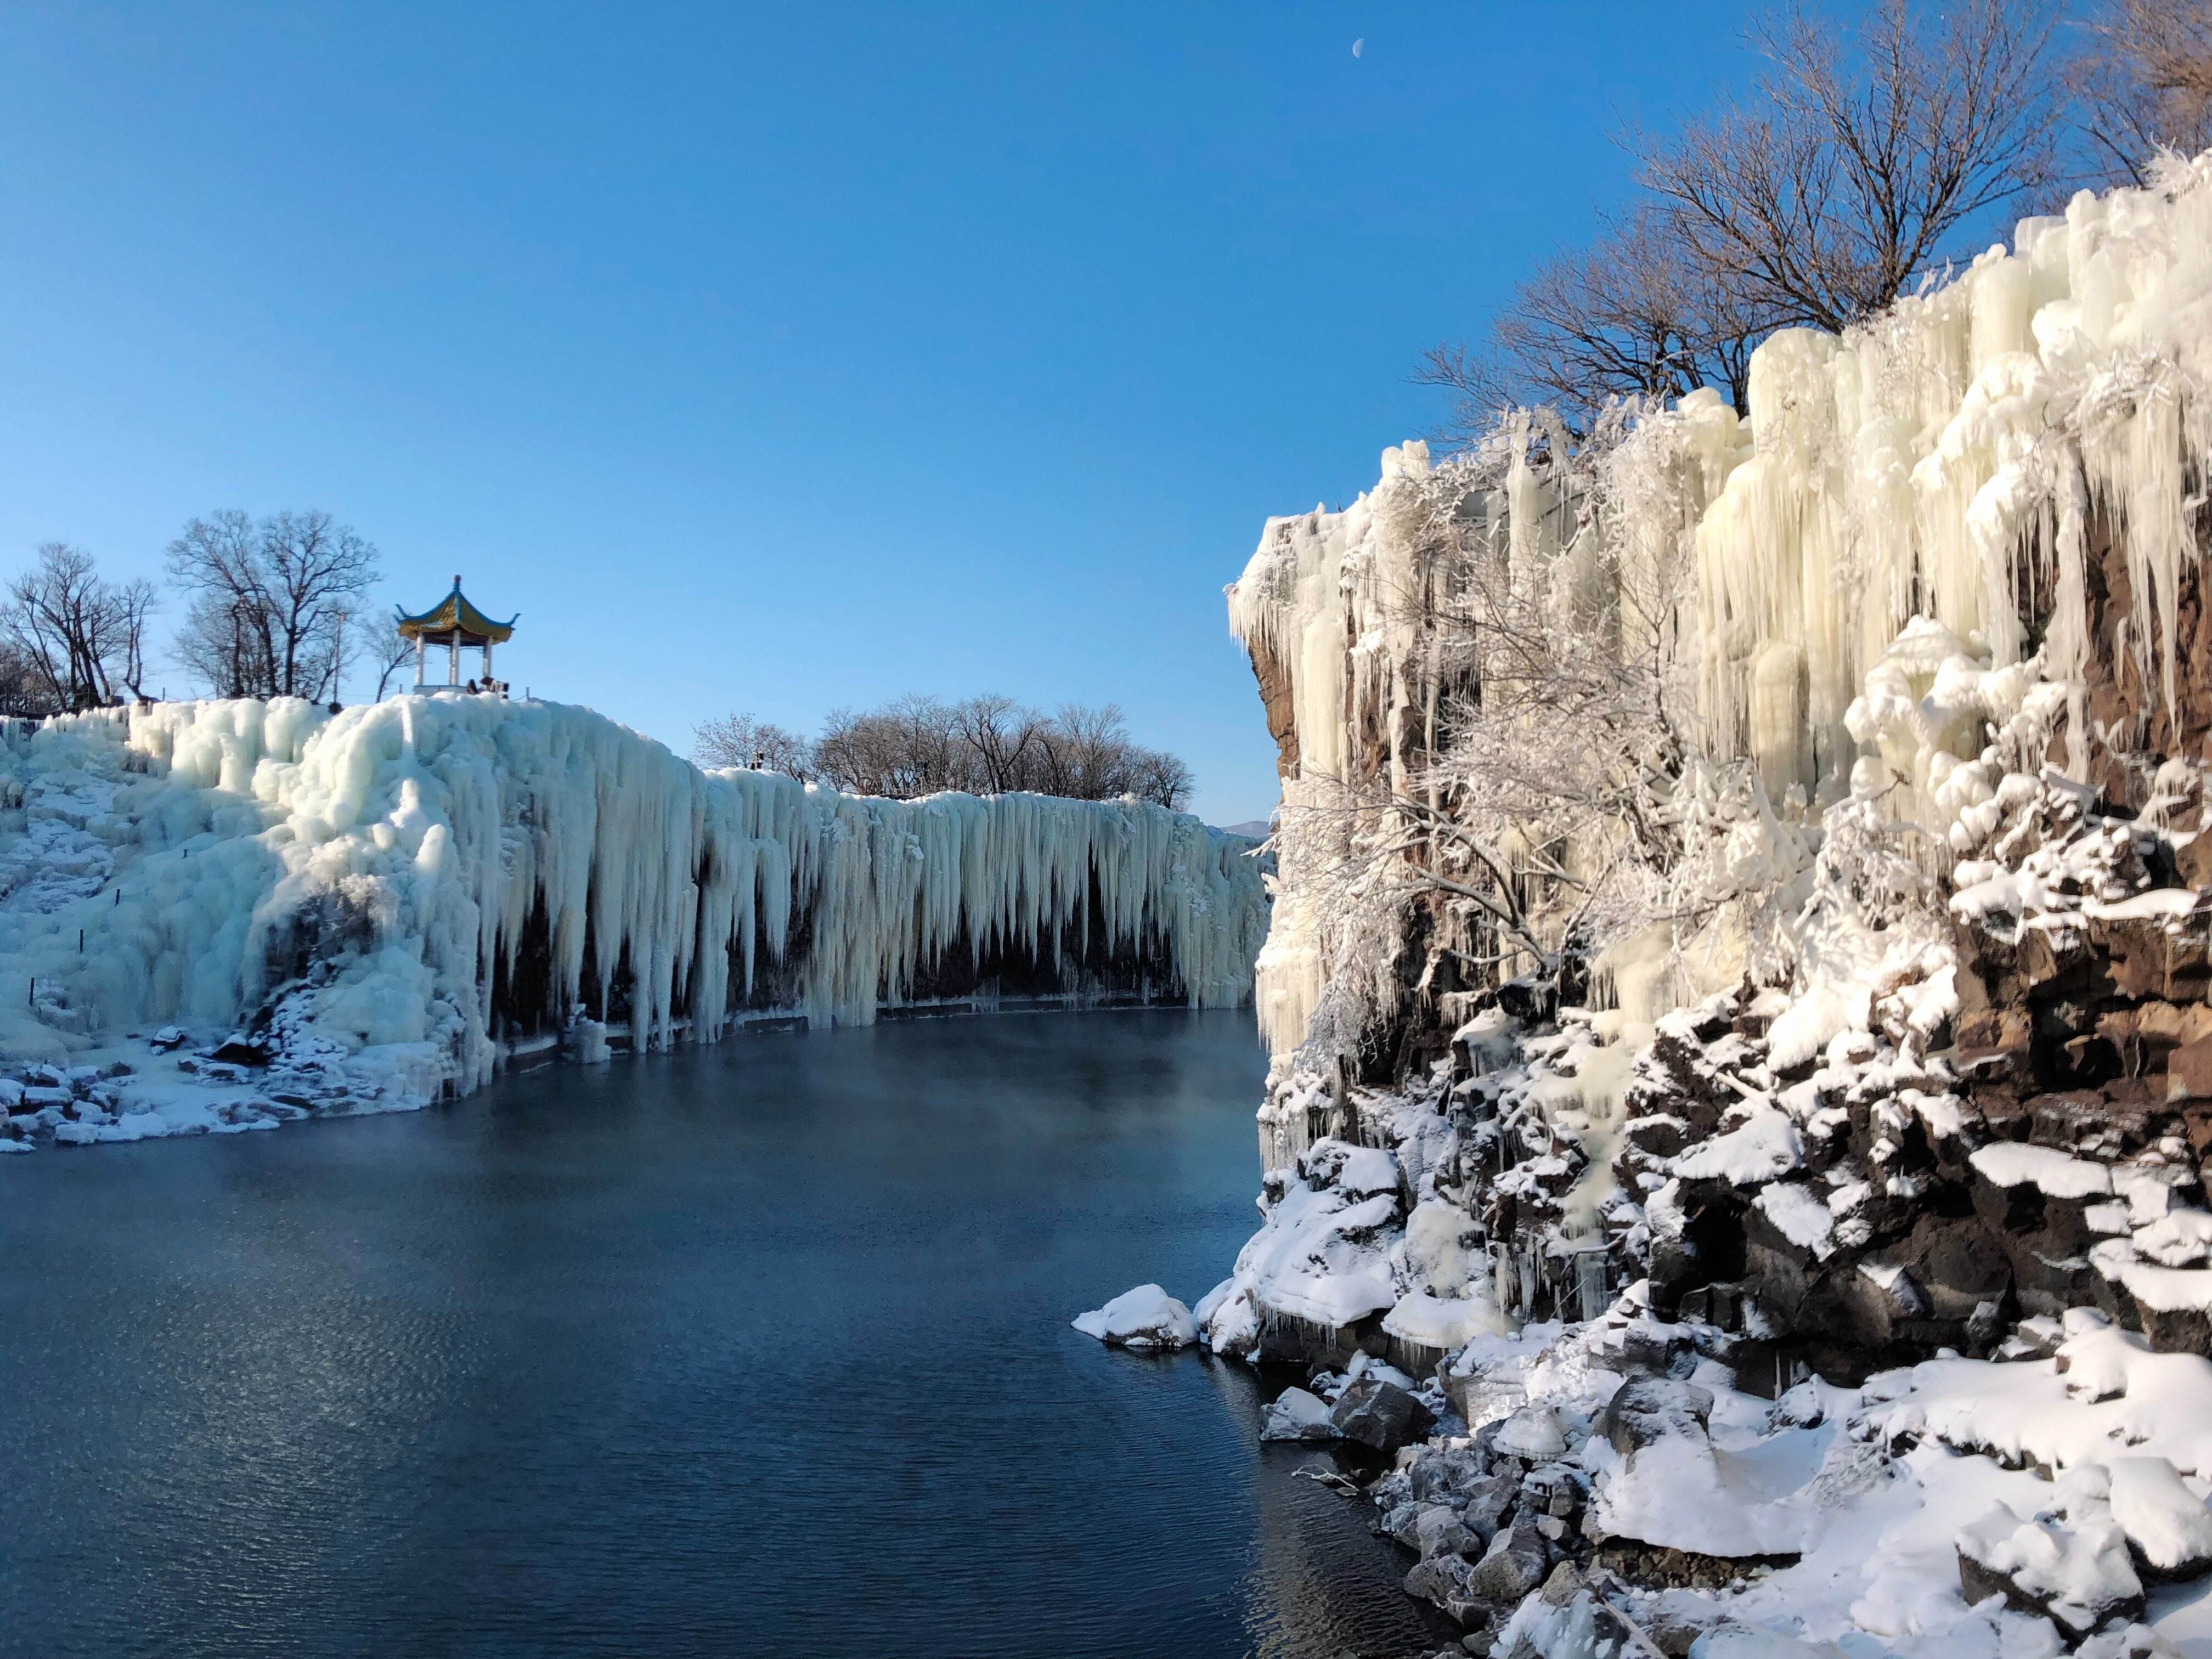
(458, 625)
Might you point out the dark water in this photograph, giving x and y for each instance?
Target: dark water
(754, 1350)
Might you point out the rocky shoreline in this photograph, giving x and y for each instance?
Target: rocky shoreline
(1532, 1531)
(151, 1086)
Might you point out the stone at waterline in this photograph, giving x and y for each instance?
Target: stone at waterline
(1437, 1530)
(1488, 1503)
(1381, 1415)
(239, 1049)
(1445, 1471)
(1146, 1318)
(1448, 1581)
(1297, 1414)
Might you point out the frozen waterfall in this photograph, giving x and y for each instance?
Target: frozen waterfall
(449, 869)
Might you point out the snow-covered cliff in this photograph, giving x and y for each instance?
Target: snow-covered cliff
(1740, 984)
(2007, 471)
(456, 871)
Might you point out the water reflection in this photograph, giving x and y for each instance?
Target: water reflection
(759, 1350)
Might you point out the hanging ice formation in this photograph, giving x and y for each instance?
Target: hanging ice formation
(2016, 459)
(449, 869)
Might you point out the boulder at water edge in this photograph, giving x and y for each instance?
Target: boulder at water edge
(1146, 1317)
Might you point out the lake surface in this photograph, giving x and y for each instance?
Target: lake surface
(757, 1349)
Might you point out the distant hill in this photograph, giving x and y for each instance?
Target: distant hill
(1256, 828)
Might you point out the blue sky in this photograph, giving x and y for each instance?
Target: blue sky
(783, 358)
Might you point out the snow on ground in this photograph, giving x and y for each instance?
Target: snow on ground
(137, 1086)
(1875, 1492)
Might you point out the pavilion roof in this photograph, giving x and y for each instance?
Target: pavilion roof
(454, 618)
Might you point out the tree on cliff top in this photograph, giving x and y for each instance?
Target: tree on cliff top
(1864, 158)
(2146, 83)
(71, 640)
(985, 745)
(269, 601)
(740, 740)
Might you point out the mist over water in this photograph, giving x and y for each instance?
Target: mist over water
(760, 1349)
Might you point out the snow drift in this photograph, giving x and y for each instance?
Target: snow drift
(456, 871)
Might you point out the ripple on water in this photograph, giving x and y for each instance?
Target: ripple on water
(754, 1350)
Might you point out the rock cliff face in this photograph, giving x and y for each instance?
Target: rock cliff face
(1877, 1113)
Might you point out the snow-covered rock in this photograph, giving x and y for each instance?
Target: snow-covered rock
(1382, 1413)
(1646, 1409)
(2167, 1524)
(1296, 1414)
(1145, 1317)
(1324, 1255)
(2076, 1573)
(1441, 1321)
(1534, 1433)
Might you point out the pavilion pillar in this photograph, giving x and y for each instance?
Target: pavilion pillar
(453, 660)
(487, 662)
(418, 662)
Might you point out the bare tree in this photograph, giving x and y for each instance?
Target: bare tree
(905, 748)
(223, 641)
(926, 752)
(989, 744)
(1630, 316)
(2146, 83)
(270, 600)
(1162, 779)
(998, 734)
(1084, 752)
(1866, 156)
(76, 640)
(24, 687)
(1864, 161)
(129, 608)
(394, 653)
(841, 757)
(868, 754)
(740, 740)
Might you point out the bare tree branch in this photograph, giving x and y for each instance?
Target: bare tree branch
(740, 740)
(2145, 84)
(1863, 162)
(75, 641)
(269, 601)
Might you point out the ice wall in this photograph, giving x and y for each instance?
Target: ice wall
(1951, 461)
(179, 861)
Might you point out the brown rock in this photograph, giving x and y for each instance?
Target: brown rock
(2189, 1070)
(2052, 959)
(2193, 863)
